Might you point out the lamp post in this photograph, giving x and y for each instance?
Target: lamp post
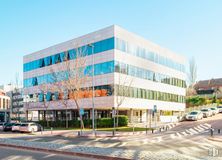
(93, 98)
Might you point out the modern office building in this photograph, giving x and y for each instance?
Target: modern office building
(4, 107)
(153, 76)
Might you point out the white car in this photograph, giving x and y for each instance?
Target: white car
(206, 112)
(30, 127)
(16, 127)
(219, 109)
(194, 115)
(214, 110)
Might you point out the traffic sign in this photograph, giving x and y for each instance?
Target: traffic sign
(81, 111)
(155, 108)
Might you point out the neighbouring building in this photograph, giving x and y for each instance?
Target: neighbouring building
(156, 77)
(4, 107)
(16, 95)
(209, 88)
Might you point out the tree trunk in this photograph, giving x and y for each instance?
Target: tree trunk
(81, 120)
(117, 118)
(67, 122)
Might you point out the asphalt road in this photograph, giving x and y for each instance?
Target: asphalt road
(189, 138)
(18, 154)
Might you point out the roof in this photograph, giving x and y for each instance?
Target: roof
(209, 84)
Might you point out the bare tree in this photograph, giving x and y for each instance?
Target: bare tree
(16, 98)
(121, 90)
(192, 71)
(71, 80)
(45, 91)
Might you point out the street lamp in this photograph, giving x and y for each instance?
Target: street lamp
(93, 98)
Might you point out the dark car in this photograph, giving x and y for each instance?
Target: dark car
(8, 127)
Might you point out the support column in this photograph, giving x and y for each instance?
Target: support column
(131, 115)
(5, 116)
(38, 115)
(26, 115)
(147, 117)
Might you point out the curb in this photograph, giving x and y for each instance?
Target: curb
(86, 155)
(215, 139)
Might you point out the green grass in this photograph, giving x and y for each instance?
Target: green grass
(120, 129)
(125, 129)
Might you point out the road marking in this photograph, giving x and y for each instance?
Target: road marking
(184, 133)
(190, 133)
(204, 126)
(198, 130)
(178, 134)
(193, 131)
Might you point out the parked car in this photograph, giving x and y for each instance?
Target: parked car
(214, 110)
(30, 127)
(206, 112)
(16, 127)
(2, 124)
(194, 115)
(182, 118)
(219, 109)
(8, 127)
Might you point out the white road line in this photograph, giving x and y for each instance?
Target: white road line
(179, 135)
(198, 130)
(193, 131)
(190, 133)
(204, 126)
(184, 133)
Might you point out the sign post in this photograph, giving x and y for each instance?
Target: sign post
(154, 113)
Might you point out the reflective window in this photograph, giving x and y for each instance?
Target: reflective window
(86, 50)
(146, 54)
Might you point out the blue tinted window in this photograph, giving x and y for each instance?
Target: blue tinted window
(100, 46)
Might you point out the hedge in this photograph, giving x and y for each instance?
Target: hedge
(100, 123)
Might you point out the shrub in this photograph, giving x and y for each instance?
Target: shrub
(100, 123)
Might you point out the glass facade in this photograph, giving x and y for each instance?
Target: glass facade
(141, 93)
(99, 69)
(107, 90)
(148, 75)
(100, 91)
(100, 46)
(147, 54)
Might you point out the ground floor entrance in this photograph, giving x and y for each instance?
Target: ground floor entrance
(148, 118)
(4, 116)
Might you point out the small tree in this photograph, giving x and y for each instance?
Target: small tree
(192, 72)
(45, 91)
(71, 80)
(121, 89)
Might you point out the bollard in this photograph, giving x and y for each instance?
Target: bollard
(152, 130)
(113, 133)
(218, 131)
(211, 132)
(79, 133)
(51, 130)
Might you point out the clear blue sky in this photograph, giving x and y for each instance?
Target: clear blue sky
(191, 27)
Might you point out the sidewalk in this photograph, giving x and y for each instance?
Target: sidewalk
(88, 133)
(94, 152)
